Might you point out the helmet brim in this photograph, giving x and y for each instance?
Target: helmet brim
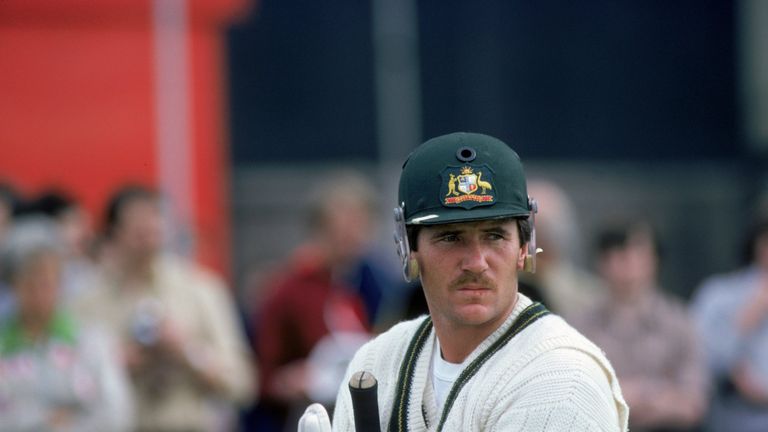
(439, 216)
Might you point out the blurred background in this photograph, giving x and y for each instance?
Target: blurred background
(231, 106)
(236, 110)
(650, 108)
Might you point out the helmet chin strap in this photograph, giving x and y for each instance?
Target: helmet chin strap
(530, 258)
(410, 266)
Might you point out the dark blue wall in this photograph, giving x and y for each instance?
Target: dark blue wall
(604, 79)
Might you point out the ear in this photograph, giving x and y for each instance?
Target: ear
(521, 254)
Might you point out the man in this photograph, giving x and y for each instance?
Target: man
(486, 358)
(309, 302)
(731, 313)
(647, 334)
(185, 352)
(560, 281)
(57, 373)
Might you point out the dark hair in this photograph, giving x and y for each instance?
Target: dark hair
(348, 185)
(757, 229)
(52, 203)
(121, 199)
(524, 230)
(10, 197)
(617, 236)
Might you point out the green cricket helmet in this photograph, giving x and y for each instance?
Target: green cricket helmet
(461, 177)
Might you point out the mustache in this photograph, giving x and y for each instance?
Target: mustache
(472, 278)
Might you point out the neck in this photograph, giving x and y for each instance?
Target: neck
(632, 293)
(457, 342)
(34, 326)
(134, 268)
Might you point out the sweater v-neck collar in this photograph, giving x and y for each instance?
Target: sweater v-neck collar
(423, 407)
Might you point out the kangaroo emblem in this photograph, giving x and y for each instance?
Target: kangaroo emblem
(452, 186)
(483, 184)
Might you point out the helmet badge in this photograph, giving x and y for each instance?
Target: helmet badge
(467, 186)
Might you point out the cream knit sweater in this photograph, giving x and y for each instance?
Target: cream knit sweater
(546, 378)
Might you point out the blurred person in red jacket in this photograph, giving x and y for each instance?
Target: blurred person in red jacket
(312, 319)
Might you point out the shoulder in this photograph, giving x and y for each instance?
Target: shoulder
(565, 389)
(553, 355)
(671, 312)
(397, 338)
(552, 331)
(188, 277)
(562, 372)
(96, 302)
(383, 354)
(722, 291)
(172, 266)
(724, 284)
(565, 373)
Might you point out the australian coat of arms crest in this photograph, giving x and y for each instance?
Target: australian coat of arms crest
(467, 186)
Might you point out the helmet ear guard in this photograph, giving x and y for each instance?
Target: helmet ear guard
(530, 258)
(410, 266)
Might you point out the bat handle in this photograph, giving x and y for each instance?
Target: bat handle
(365, 402)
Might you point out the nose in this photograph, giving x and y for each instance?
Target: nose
(474, 259)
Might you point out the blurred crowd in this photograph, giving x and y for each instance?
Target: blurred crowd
(102, 327)
(108, 332)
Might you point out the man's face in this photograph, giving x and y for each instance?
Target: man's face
(469, 271)
(630, 268)
(761, 250)
(347, 230)
(140, 228)
(37, 286)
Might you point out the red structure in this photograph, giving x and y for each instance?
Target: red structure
(97, 93)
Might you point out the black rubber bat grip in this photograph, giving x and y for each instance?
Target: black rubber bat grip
(365, 401)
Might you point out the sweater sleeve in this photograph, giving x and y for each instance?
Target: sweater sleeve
(382, 357)
(342, 413)
(343, 420)
(366, 359)
(567, 391)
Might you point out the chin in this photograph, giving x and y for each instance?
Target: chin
(475, 315)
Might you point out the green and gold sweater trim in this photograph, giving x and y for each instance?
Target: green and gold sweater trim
(399, 420)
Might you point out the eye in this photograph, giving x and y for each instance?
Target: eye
(495, 236)
(448, 238)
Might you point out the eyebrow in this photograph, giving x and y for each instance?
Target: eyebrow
(497, 229)
(441, 233)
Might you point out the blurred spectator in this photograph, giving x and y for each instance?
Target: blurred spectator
(56, 374)
(312, 319)
(647, 336)
(562, 285)
(9, 204)
(76, 232)
(185, 352)
(731, 311)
